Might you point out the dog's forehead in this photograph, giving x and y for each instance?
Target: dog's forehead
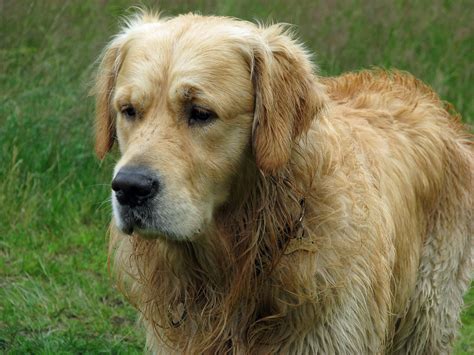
(193, 45)
(211, 56)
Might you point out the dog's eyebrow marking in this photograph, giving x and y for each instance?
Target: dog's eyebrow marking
(187, 93)
(120, 99)
(190, 92)
(130, 94)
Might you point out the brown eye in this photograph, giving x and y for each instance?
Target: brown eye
(129, 112)
(200, 115)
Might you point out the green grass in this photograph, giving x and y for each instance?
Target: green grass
(55, 292)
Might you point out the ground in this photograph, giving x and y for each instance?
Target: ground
(55, 292)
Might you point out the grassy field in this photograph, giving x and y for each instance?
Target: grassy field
(55, 292)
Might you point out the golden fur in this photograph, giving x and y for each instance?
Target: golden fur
(314, 215)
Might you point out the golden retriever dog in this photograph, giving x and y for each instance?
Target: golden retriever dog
(261, 208)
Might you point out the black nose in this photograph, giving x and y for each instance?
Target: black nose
(134, 185)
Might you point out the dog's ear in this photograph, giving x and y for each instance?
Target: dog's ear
(287, 97)
(103, 91)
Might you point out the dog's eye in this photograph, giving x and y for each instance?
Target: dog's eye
(200, 115)
(129, 112)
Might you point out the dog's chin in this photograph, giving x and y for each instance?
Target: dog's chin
(160, 234)
(152, 234)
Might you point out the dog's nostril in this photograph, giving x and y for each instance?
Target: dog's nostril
(134, 185)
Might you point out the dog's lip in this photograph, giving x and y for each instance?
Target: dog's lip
(134, 231)
(128, 229)
(131, 225)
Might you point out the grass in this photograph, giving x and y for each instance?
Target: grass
(55, 292)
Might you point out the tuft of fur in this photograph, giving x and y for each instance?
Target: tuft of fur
(349, 229)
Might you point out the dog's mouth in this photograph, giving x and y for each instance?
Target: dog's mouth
(134, 220)
(128, 229)
(130, 221)
(135, 226)
(140, 221)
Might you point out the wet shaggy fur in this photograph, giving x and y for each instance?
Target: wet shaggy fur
(343, 222)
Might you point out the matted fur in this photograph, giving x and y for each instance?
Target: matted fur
(348, 228)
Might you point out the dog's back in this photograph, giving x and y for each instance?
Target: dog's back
(422, 162)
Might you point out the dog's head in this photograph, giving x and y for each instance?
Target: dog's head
(189, 100)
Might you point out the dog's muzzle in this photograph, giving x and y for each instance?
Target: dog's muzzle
(134, 188)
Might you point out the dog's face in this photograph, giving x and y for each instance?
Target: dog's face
(186, 98)
(184, 115)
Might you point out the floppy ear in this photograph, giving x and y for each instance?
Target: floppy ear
(287, 97)
(103, 91)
